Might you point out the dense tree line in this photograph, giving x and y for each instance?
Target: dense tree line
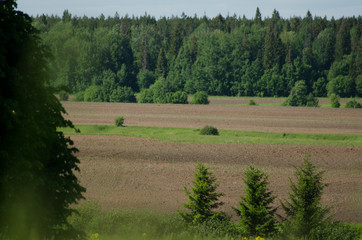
(222, 55)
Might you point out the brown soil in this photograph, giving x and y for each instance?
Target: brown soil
(133, 173)
(251, 118)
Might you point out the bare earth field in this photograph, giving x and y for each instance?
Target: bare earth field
(134, 173)
(249, 118)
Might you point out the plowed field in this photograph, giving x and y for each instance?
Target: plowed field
(134, 173)
(251, 118)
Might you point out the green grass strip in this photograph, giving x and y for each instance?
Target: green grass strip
(226, 136)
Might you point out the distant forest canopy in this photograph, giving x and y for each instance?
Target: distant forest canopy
(228, 56)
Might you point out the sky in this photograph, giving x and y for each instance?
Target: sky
(210, 8)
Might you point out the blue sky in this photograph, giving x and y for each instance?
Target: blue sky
(211, 8)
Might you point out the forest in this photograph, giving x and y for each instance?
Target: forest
(226, 56)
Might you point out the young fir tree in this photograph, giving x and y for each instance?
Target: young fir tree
(304, 209)
(202, 199)
(257, 216)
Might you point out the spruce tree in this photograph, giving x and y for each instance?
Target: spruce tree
(257, 216)
(304, 209)
(203, 198)
(161, 69)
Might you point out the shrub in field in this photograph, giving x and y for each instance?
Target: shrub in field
(63, 96)
(179, 97)
(93, 94)
(146, 96)
(353, 104)
(203, 198)
(122, 94)
(252, 102)
(209, 130)
(79, 97)
(118, 121)
(200, 97)
(298, 95)
(312, 101)
(257, 215)
(304, 210)
(334, 100)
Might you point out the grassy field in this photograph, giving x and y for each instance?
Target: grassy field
(226, 136)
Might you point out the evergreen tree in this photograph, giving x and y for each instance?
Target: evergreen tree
(304, 209)
(161, 70)
(273, 48)
(257, 216)
(203, 198)
(38, 184)
(257, 18)
(343, 40)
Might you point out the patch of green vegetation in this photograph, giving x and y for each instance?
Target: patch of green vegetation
(226, 136)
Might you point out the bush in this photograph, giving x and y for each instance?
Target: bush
(209, 130)
(146, 96)
(334, 231)
(341, 85)
(118, 121)
(298, 95)
(312, 101)
(179, 97)
(252, 102)
(123, 94)
(63, 96)
(334, 100)
(353, 104)
(79, 97)
(200, 97)
(93, 94)
(257, 216)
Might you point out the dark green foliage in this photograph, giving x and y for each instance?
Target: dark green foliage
(342, 86)
(118, 121)
(298, 95)
(353, 104)
(203, 198)
(312, 101)
(319, 87)
(359, 86)
(200, 98)
(145, 96)
(123, 94)
(304, 209)
(252, 102)
(161, 69)
(334, 100)
(209, 130)
(255, 211)
(63, 96)
(334, 231)
(38, 184)
(145, 79)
